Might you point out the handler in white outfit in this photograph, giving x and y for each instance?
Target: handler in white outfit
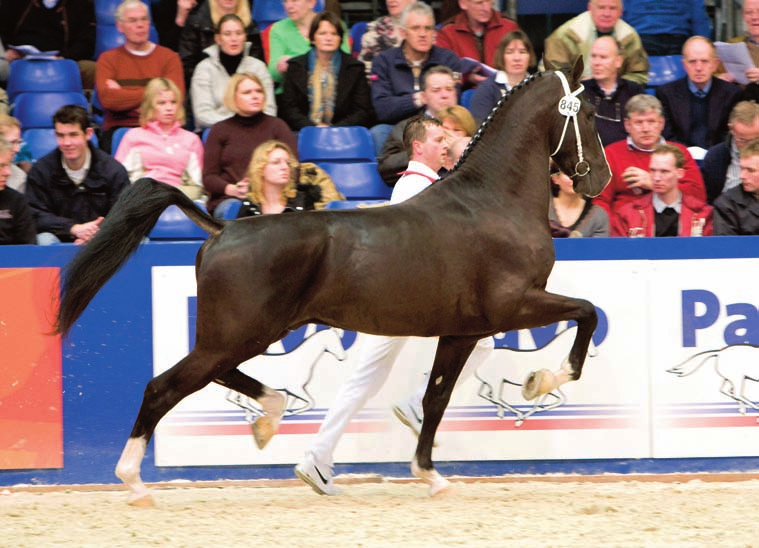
(425, 139)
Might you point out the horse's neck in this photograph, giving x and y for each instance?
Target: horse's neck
(511, 160)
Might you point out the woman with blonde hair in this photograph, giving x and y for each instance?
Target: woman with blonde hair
(160, 148)
(200, 31)
(231, 142)
(457, 121)
(274, 188)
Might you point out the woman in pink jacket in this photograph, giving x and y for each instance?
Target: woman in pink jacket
(160, 148)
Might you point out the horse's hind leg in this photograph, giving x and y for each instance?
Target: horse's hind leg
(271, 401)
(542, 308)
(451, 355)
(162, 393)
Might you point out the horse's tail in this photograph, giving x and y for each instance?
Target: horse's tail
(126, 225)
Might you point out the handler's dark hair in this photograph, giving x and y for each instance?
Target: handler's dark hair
(416, 130)
(72, 114)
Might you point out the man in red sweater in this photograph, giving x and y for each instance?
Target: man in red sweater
(475, 31)
(630, 158)
(123, 72)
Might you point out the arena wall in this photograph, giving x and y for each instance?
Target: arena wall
(671, 385)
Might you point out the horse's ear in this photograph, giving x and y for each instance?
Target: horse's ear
(577, 69)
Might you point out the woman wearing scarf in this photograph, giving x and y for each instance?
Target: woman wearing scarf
(326, 87)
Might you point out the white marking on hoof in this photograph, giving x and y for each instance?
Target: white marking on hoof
(438, 484)
(538, 383)
(264, 427)
(128, 470)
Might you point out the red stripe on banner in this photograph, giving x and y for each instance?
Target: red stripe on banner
(295, 428)
(741, 421)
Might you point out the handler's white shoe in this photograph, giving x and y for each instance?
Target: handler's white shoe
(410, 417)
(318, 476)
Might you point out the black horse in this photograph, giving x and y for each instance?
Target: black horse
(466, 258)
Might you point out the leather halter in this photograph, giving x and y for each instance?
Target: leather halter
(569, 106)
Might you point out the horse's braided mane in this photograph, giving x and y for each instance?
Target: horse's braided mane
(487, 122)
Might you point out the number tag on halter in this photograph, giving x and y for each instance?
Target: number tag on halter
(569, 105)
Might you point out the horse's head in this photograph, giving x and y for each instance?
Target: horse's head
(577, 149)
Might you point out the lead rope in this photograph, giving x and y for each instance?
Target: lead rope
(569, 106)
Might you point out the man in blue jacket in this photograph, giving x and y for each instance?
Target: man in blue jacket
(72, 189)
(396, 76)
(664, 27)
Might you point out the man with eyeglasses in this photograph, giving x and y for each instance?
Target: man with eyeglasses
(629, 159)
(396, 76)
(123, 72)
(721, 166)
(607, 91)
(10, 130)
(475, 31)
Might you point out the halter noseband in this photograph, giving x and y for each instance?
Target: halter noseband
(569, 106)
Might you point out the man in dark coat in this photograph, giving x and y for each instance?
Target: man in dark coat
(697, 106)
(72, 189)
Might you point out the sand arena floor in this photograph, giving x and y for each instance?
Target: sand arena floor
(499, 512)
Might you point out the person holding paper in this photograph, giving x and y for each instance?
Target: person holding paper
(751, 41)
(66, 27)
(697, 106)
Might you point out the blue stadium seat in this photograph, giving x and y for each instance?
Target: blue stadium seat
(41, 141)
(105, 11)
(108, 37)
(664, 69)
(37, 109)
(33, 75)
(230, 213)
(354, 204)
(118, 135)
(545, 7)
(357, 31)
(466, 98)
(357, 180)
(335, 144)
(267, 12)
(175, 225)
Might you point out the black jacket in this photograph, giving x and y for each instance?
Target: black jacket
(675, 98)
(58, 204)
(736, 212)
(16, 221)
(353, 103)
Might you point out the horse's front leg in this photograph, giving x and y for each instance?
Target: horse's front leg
(451, 355)
(542, 308)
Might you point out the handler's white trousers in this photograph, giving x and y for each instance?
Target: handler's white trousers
(377, 357)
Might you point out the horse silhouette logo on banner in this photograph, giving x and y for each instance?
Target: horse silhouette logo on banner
(500, 379)
(731, 368)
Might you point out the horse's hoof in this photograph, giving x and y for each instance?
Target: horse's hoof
(142, 501)
(538, 383)
(437, 483)
(264, 428)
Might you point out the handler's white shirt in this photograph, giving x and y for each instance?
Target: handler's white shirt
(417, 177)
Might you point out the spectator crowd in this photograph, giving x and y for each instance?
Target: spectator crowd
(197, 86)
